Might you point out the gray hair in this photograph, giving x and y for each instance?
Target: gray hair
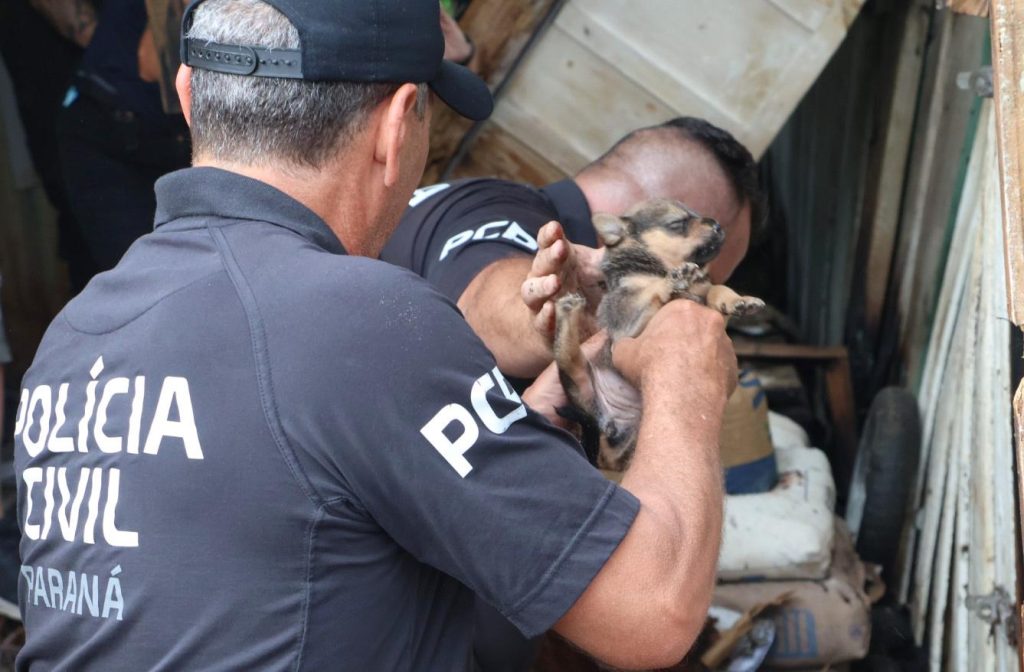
(259, 120)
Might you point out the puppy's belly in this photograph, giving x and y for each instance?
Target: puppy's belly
(617, 401)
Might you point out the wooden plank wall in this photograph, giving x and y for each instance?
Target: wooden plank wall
(605, 68)
(501, 30)
(1008, 72)
(963, 544)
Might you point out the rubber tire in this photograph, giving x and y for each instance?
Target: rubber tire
(886, 466)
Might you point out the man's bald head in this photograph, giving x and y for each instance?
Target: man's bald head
(688, 160)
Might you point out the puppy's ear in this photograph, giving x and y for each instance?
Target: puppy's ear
(610, 229)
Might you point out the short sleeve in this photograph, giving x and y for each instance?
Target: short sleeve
(410, 416)
(469, 228)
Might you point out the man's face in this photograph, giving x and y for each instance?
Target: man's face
(737, 242)
(693, 176)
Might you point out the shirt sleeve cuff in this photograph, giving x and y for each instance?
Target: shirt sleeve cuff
(452, 276)
(579, 563)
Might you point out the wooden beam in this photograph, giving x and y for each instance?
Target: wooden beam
(889, 156)
(500, 29)
(498, 153)
(789, 352)
(975, 7)
(1008, 69)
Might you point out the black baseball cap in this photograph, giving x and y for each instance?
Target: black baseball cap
(352, 41)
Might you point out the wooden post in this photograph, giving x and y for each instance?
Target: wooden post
(1008, 79)
(1008, 68)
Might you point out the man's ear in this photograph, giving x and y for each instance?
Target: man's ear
(183, 85)
(399, 113)
(610, 229)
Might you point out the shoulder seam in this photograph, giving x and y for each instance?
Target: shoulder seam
(70, 324)
(263, 374)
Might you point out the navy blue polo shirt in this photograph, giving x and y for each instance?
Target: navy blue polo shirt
(452, 231)
(243, 449)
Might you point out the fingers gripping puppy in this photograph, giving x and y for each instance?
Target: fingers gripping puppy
(654, 254)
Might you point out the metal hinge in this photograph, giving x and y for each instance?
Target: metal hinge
(979, 81)
(996, 609)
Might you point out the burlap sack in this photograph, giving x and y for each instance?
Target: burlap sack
(822, 622)
(746, 443)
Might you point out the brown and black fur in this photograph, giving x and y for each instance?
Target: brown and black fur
(654, 254)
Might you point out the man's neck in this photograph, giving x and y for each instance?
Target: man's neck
(330, 192)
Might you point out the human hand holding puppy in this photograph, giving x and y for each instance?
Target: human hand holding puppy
(560, 268)
(683, 341)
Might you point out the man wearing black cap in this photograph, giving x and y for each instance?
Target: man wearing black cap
(249, 446)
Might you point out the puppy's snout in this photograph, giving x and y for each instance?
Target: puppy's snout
(717, 233)
(713, 238)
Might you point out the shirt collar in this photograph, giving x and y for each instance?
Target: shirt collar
(573, 211)
(220, 194)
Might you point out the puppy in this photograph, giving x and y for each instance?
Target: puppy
(654, 254)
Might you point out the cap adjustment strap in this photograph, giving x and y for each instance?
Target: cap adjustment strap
(237, 60)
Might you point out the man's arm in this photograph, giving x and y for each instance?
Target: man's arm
(74, 19)
(509, 304)
(649, 602)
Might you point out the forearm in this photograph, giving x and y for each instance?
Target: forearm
(74, 19)
(496, 312)
(677, 476)
(661, 578)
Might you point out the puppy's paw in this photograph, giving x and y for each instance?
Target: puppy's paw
(686, 276)
(571, 303)
(743, 307)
